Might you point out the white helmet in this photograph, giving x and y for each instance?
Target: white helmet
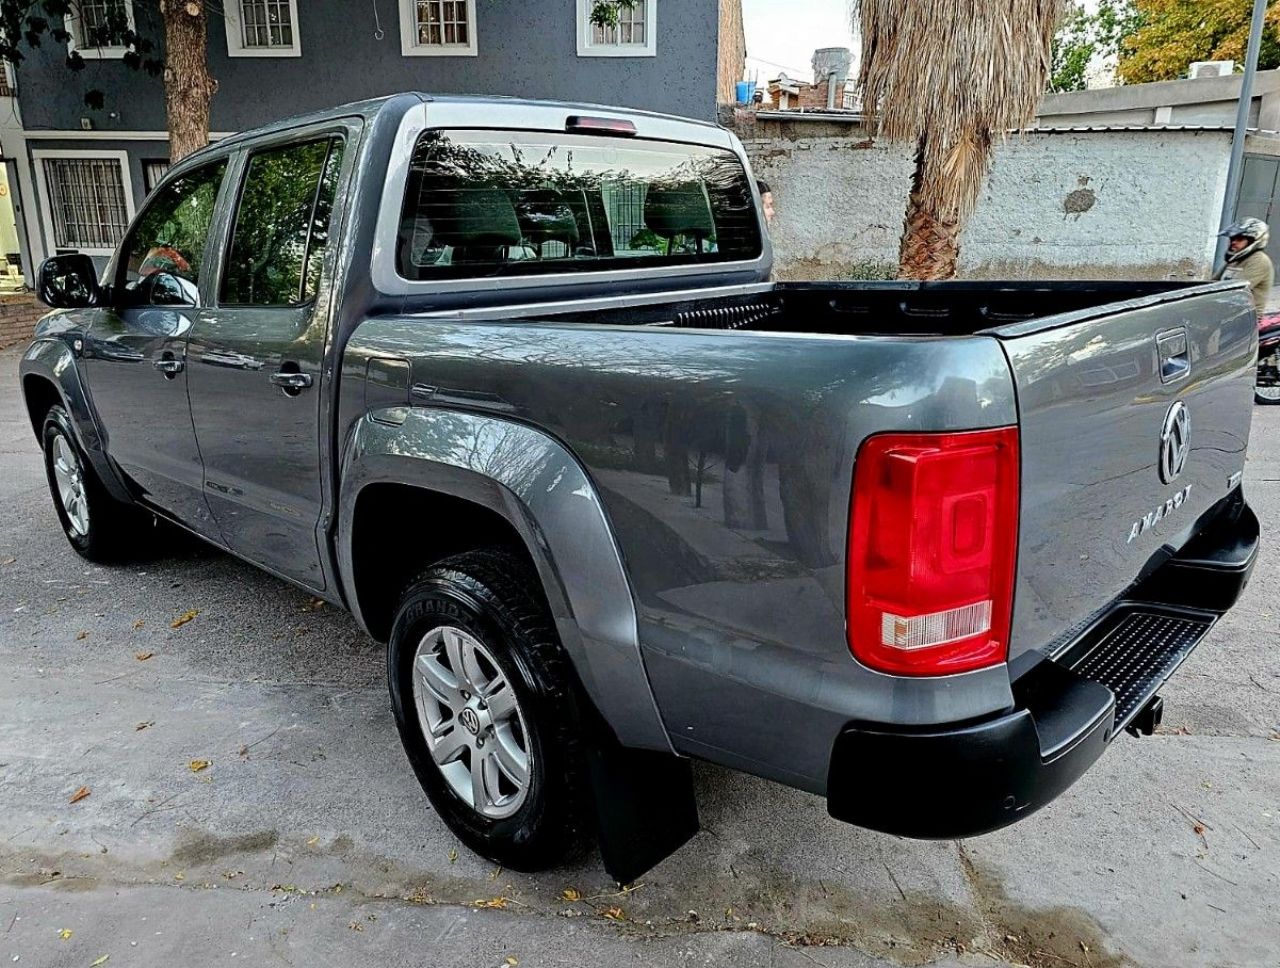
(1253, 229)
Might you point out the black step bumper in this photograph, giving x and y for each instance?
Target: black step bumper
(965, 779)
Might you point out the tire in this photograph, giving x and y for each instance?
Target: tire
(98, 527)
(1271, 397)
(483, 605)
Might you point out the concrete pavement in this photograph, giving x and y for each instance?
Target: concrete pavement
(307, 841)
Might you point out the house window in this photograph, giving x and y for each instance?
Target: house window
(85, 197)
(101, 26)
(153, 169)
(438, 27)
(262, 28)
(632, 37)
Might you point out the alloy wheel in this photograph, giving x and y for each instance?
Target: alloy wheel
(472, 722)
(68, 473)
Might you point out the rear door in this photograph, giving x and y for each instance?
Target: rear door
(255, 357)
(135, 356)
(1134, 420)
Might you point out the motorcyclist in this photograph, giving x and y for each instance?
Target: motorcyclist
(1246, 259)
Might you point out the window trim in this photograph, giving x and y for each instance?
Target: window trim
(409, 47)
(38, 156)
(589, 48)
(75, 43)
(235, 36)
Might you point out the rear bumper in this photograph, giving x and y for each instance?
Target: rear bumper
(966, 779)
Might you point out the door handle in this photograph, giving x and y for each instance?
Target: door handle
(1175, 361)
(170, 367)
(291, 381)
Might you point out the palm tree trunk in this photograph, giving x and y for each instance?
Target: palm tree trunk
(930, 239)
(188, 87)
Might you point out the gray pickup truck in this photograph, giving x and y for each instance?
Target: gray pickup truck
(508, 380)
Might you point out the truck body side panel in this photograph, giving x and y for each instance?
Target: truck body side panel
(723, 462)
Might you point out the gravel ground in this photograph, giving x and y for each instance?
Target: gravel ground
(306, 841)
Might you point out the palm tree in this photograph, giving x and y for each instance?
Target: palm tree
(950, 77)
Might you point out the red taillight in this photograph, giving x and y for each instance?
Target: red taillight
(933, 533)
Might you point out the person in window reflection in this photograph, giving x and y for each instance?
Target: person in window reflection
(163, 257)
(766, 201)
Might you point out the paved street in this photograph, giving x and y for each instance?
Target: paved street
(306, 840)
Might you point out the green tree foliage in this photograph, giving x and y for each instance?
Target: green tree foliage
(1085, 38)
(1175, 33)
(604, 13)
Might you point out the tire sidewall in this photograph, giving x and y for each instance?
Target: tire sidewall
(450, 601)
(58, 423)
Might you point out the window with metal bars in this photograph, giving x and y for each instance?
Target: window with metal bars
(103, 23)
(442, 23)
(153, 169)
(86, 202)
(632, 28)
(266, 23)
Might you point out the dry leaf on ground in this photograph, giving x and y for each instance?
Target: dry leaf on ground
(184, 618)
(99, 961)
(7, 561)
(496, 903)
(613, 913)
(453, 856)
(145, 724)
(138, 623)
(81, 635)
(79, 795)
(571, 894)
(195, 766)
(512, 960)
(143, 656)
(64, 933)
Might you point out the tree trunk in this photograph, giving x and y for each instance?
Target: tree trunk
(930, 239)
(188, 87)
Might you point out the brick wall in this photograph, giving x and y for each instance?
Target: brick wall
(731, 59)
(18, 315)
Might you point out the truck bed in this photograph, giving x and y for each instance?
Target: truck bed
(871, 308)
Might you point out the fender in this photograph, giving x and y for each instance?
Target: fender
(533, 482)
(54, 358)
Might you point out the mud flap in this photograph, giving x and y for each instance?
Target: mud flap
(644, 808)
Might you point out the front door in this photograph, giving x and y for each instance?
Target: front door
(255, 357)
(135, 354)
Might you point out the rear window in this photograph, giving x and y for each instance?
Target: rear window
(486, 203)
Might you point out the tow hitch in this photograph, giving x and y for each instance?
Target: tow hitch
(1148, 719)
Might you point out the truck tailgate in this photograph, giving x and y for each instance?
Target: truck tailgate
(1105, 397)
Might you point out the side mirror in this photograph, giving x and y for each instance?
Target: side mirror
(68, 282)
(166, 289)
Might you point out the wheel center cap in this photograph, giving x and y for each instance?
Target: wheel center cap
(470, 721)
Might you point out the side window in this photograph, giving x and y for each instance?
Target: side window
(282, 225)
(163, 255)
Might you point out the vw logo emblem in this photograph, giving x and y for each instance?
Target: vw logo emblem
(1175, 441)
(470, 720)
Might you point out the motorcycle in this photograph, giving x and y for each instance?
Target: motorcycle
(1266, 389)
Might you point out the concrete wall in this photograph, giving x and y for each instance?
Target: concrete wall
(524, 49)
(1202, 101)
(1113, 204)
